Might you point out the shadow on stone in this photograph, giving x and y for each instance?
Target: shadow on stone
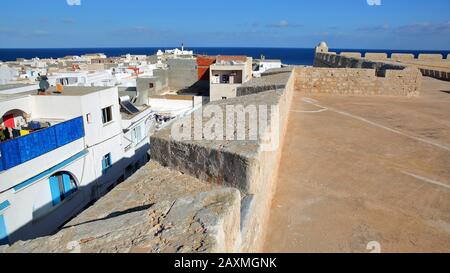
(114, 214)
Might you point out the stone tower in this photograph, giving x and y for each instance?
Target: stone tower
(322, 48)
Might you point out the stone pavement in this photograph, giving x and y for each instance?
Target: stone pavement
(361, 169)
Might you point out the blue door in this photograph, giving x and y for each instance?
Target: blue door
(67, 185)
(62, 185)
(55, 190)
(3, 233)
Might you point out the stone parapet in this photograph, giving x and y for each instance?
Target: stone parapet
(358, 82)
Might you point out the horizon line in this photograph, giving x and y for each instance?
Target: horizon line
(217, 47)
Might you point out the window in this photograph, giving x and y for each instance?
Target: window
(137, 135)
(62, 185)
(151, 85)
(106, 163)
(224, 98)
(225, 78)
(89, 118)
(107, 115)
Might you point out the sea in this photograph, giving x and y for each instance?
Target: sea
(290, 56)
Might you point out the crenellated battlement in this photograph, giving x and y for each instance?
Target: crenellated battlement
(431, 65)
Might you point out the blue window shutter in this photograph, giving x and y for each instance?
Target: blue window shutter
(67, 185)
(3, 233)
(104, 164)
(54, 188)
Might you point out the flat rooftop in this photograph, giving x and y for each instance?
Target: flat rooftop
(67, 91)
(11, 91)
(361, 169)
(12, 86)
(268, 60)
(77, 90)
(223, 65)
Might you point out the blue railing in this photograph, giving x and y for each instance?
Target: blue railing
(25, 148)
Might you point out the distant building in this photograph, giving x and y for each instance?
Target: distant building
(322, 48)
(262, 65)
(103, 60)
(60, 152)
(82, 78)
(177, 52)
(227, 74)
(7, 74)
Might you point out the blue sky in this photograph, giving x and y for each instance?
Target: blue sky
(396, 24)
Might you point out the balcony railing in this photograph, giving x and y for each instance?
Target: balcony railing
(25, 148)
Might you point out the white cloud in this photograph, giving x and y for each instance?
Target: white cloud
(73, 2)
(284, 24)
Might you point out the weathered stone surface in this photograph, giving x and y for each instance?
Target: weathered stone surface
(353, 61)
(376, 56)
(228, 162)
(206, 222)
(358, 82)
(275, 79)
(431, 65)
(157, 210)
(351, 54)
(241, 164)
(151, 184)
(402, 57)
(431, 57)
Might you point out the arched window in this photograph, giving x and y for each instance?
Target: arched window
(62, 185)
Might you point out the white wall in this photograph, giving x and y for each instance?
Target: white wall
(93, 104)
(34, 202)
(31, 212)
(7, 74)
(24, 104)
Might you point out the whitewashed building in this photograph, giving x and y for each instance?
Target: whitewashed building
(227, 74)
(71, 148)
(262, 65)
(7, 74)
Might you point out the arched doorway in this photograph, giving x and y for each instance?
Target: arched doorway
(12, 118)
(62, 185)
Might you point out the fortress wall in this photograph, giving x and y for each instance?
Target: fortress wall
(369, 56)
(358, 82)
(441, 75)
(244, 165)
(402, 57)
(431, 57)
(376, 56)
(340, 61)
(435, 68)
(351, 54)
